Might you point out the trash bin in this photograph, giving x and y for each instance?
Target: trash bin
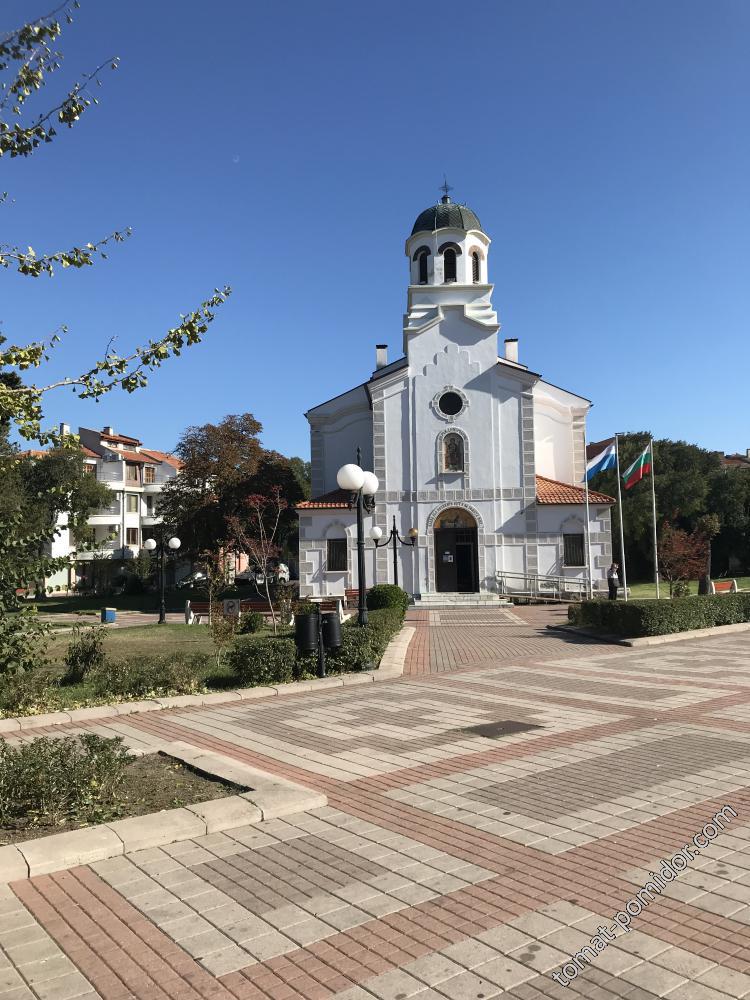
(109, 616)
(331, 630)
(306, 632)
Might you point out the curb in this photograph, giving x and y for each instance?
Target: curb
(715, 631)
(391, 665)
(268, 797)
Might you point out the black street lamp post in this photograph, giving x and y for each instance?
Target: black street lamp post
(362, 487)
(160, 547)
(394, 538)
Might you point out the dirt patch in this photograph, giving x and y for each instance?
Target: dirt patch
(151, 783)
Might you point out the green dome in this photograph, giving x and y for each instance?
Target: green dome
(446, 215)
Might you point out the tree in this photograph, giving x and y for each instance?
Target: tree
(254, 531)
(682, 555)
(223, 464)
(28, 56)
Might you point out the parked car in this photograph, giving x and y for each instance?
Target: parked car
(276, 571)
(191, 580)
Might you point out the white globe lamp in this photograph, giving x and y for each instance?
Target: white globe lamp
(174, 544)
(150, 544)
(376, 533)
(350, 477)
(370, 484)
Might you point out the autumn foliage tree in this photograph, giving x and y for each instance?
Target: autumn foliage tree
(254, 530)
(682, 555)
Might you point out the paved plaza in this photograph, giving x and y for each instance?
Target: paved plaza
(488, 814)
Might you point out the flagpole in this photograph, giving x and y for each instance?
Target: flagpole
(653, 507)
(619, 508)
(590, 588)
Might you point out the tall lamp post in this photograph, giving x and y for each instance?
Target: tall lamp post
(362, 487)
(394, 538)
(161, 546)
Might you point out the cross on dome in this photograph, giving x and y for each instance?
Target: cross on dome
(445, 188)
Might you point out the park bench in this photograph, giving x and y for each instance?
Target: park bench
(196, 611)
(327, 604)
(723, 586)
(351, 598)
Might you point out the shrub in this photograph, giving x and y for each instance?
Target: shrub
(642, 618)
(363, 645)
(387, 595)
(49, 781)
(262, 661)
(23, 641)
(27, 693)
(250, 621)
(151, 676)
(680, 588)
(85, 654)
(306, 608)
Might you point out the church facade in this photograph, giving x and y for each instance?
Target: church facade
(476, 455)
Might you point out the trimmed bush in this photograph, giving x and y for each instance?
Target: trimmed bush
(633, 619)
(250, 621)
(262, 661)
(363, 645)
(151, 676)
(387, 595)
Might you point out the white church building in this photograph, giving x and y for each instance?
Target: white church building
(476, 455)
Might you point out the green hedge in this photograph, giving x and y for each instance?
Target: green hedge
(387, 595)
(262, 661)
(633, 619)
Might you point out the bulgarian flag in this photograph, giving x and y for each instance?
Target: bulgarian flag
(640, 468)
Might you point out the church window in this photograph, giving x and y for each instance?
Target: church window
(449, 265)
(573, 550)
(421, 258)
(453, 453)
(336, 555)
(450, 404)
(475, 268)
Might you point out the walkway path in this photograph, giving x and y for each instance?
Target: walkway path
(482, 823)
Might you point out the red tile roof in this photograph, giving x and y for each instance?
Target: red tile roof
(119, 438)
(736, 461)
(335, 499)
(549, 491)
(131, 456)
(163, 456)
(88, 452)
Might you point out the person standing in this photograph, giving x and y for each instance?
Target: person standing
(613, 580)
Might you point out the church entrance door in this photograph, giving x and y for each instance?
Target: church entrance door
(456, 552)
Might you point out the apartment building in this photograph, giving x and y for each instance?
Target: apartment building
(135, 476)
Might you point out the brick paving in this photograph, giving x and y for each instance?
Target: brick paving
(489, 813)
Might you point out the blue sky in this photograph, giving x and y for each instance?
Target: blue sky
(286, 149)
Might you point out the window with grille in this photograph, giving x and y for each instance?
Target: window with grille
(475, 267)
(89, 469)
(131, 502)
(573, 550)
(131, 536)
(149, 474)
(131, 473)
(336, 556)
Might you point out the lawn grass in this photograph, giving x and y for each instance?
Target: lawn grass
(174, 600)
(648, 589)
(150, 640)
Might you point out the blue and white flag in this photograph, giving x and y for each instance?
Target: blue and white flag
(600, 456)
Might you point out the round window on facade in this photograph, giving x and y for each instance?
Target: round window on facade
(450, 404)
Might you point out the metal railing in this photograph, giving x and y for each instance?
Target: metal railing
(542, 586)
